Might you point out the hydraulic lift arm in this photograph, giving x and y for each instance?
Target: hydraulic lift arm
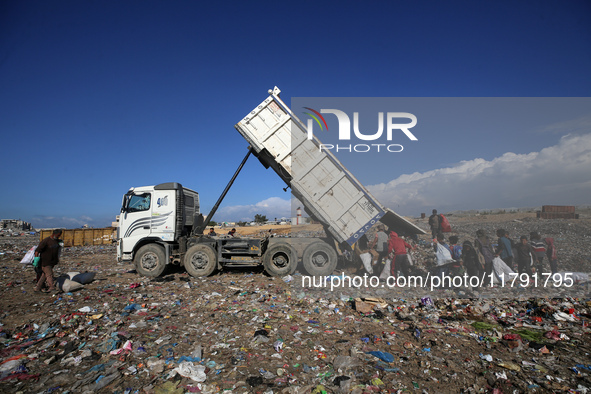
(199, 229)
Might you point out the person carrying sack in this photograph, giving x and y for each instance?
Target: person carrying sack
(48, 252)
(362, 250)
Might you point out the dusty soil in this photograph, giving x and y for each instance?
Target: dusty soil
(249, 332)
(279, 229)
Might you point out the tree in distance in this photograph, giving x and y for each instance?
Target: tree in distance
(258, 218)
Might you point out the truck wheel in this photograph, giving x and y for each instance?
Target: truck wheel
(150, 260)
(200, 260)
(280, 259)
(319, 259)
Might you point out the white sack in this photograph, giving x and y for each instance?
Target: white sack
(386, 271)
(28, 259)
(66, 285)
(577, 277)
(443, 255)
(499, 267)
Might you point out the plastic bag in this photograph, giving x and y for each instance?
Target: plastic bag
(36, 261)
(384, 356)
(28, 259)
(443, 255)
(445, 226)
(189, 370)
(345, 362)
(500, 268)
(386, 271)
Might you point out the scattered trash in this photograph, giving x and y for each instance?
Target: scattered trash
(190, 370)
(486, 357)
(247, 332)
(386, 357)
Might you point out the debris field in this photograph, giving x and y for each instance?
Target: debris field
(242, 331)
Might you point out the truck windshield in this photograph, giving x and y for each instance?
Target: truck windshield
(139, 202)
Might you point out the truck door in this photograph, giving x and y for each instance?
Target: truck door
(163, 218)
(135, 219)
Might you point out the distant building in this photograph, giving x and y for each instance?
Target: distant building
(15, 225)
(557, 212)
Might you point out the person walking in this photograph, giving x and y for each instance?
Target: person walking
(551, 254)
(435, 224)
(539, 247)
(525, 256)
(362, 250)
(504, 248)
(443, 257)
(48, 250)
(456, 255)
(484, 246)
(470, 260)
(399, 248)
(380, 244)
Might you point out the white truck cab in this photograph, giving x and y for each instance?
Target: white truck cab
(161, 224)
(155, 214)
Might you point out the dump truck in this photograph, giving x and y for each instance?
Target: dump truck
(162, 224)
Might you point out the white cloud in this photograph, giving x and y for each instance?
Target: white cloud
(273, 207)
(558, 174)
(578, 125)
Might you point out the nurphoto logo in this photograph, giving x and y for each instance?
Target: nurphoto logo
(391, 125)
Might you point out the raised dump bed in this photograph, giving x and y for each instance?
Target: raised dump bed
(329, 192)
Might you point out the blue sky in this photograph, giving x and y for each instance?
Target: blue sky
(96, 97)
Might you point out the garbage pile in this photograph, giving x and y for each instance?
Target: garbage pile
(16, 247)
(244, 332)
(247, 332)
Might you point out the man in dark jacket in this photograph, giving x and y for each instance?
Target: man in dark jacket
(48, 250)
(435, 224)
(484, 246)
(525, 256)
(504, 248)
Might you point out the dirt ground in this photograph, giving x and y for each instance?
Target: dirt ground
(281, 229)
(245, 332)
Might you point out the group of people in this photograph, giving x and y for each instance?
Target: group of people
(212, 232)
(387, 253)
(525, 256)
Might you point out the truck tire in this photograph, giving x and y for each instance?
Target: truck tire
(319, 259)
(150, 260)
(280, 259)
(200, 260)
